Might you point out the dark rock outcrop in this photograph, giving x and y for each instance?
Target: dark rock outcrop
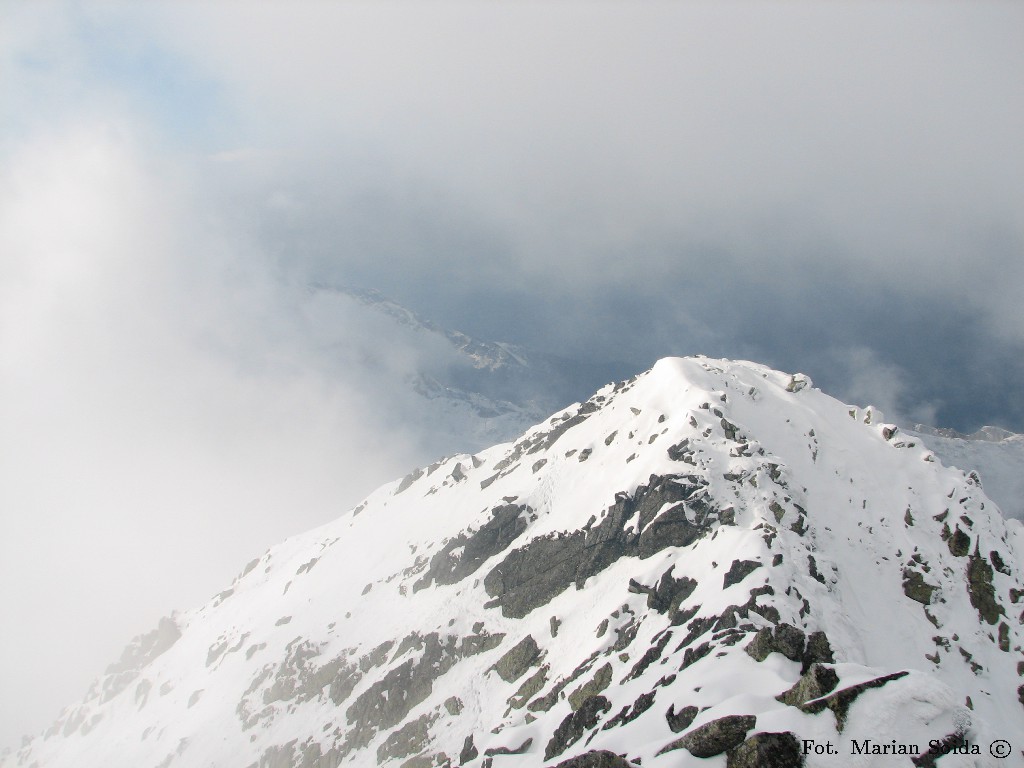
(596, 759)
(493, 537)
(815, 683)
(577, 723)
(670, 511)
(767, 750)
(681, 720)
(840, 701)
(738, 571)
(715, 737)
(782, 638)
(518, 660)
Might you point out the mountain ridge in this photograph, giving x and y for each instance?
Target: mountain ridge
(670, 568)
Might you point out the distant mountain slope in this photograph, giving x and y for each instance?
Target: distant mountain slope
(712, 564)
(464, 392)
(996, 454)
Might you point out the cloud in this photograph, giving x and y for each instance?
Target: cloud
(171, 405)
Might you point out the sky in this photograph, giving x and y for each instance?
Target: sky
(835, 188)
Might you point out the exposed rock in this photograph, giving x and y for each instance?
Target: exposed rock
(575, 724)
(840, 701)
(667, 594)
(681, 720)
(916, 588)
(671, 511)
(650, 656)
(738, 571)
(959, 543)
(929, 758)
(411, 738)
(453, 704)
(783, 638)
(509, 750)
(520, 658)
(715, 737)
(981, 591)
(408, 480)
(507, 523)
(818, 651)
(596, 759)
(767, 750)
(469, 751)
(630, 713)
(530, 688)
(389, 699)
(601, 680)
(815, 683)
(138, 653)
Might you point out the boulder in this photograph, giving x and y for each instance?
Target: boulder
(715, 737)
(767, 750)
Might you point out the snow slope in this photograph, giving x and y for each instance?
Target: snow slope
(709, 553)
(995, 454)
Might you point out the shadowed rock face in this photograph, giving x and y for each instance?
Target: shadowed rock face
(596, 759)
(518, 659)
(530, 576)
(493, 537)
(840, 701)
(816, 682)
(575, 725)
(767, 750)
(715, 737)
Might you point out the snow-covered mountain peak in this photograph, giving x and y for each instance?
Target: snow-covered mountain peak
(710, 564)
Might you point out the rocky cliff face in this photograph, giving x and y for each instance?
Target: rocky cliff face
(711, 564)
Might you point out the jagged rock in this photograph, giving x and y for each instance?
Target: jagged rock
(650, 656)
(469, 751)
(507, 523)
(630, 713)
(959, 543)
(815, 683)
(529, 689)
(981, 591)
(671, 511)
(139, 652)
(388, 700)
(818, 651)
(715, 737)
(601, 680)
(520, 658)
(410, 738)
(681, 720)
(509, 750)
(453, 705)
(783, 638)
(767, 750)
(738, 571)
(916, 588)
(840, 701)
(575, 724)
(666, 595)
(596, 759)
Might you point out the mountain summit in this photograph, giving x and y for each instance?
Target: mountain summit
(712, 564)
